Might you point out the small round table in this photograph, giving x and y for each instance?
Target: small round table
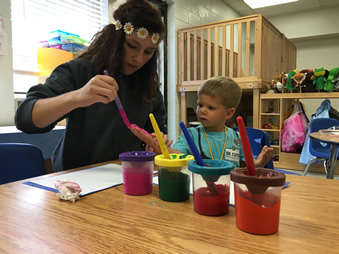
(333, 140)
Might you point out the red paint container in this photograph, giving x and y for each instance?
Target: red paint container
(257, 212)
(211, 187)
(212, 203)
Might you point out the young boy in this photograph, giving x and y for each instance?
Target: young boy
(218, 99)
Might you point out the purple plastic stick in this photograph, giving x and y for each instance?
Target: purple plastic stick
(120, 107)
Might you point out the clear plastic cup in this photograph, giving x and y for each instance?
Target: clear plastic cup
(211, 187)
(174, 177)
(257, 200)
(137, 170)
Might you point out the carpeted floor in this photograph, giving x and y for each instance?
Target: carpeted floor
(291, 172)
(298, 172)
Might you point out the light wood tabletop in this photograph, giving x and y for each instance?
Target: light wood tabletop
(325, 137)
(34, 220)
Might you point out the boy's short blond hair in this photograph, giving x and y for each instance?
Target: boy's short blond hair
(223, 87)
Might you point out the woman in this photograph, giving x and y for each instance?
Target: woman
(78, 91)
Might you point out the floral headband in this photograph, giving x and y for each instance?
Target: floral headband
(142, 32)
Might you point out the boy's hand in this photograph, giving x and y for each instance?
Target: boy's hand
(155, 147)
(264, 157)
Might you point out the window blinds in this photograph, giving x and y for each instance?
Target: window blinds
(32, 20)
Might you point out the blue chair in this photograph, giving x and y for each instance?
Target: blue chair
(319, 150)
(19, 161)
(258, 139)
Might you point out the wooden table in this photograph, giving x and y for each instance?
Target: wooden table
(333, 140)
(33, 220)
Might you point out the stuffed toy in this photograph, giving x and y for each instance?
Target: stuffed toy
(333, 73)
(299, 78)
(307, 83)
(320, 76)
(277, 83)
(306, 70)
(336, 84)
(291, 84)
(270, 87)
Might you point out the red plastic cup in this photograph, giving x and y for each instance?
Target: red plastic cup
(257, 200)
(211, 187)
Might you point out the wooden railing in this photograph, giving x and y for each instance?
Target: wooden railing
(248, 49)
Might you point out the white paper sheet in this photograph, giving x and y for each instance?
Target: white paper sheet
(90, 180)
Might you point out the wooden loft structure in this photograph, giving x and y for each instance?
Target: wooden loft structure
(248, 49)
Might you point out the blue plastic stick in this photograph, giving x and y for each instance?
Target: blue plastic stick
(192, 146)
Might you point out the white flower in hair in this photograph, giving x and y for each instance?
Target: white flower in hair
(118, 25)
(128, 28)
(155, 37)
(142, 33)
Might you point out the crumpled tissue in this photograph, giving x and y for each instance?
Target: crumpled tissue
(68, 190)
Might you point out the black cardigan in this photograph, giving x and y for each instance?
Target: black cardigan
(96, 133)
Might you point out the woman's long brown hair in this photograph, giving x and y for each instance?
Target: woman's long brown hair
(106, 50)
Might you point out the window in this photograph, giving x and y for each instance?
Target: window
(32, 20)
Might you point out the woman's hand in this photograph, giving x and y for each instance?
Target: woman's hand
(155, 147)
(150, 140)
(100, 88)
(147, 138)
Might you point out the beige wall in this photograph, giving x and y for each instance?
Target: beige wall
(6, 69)
(112, 6)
